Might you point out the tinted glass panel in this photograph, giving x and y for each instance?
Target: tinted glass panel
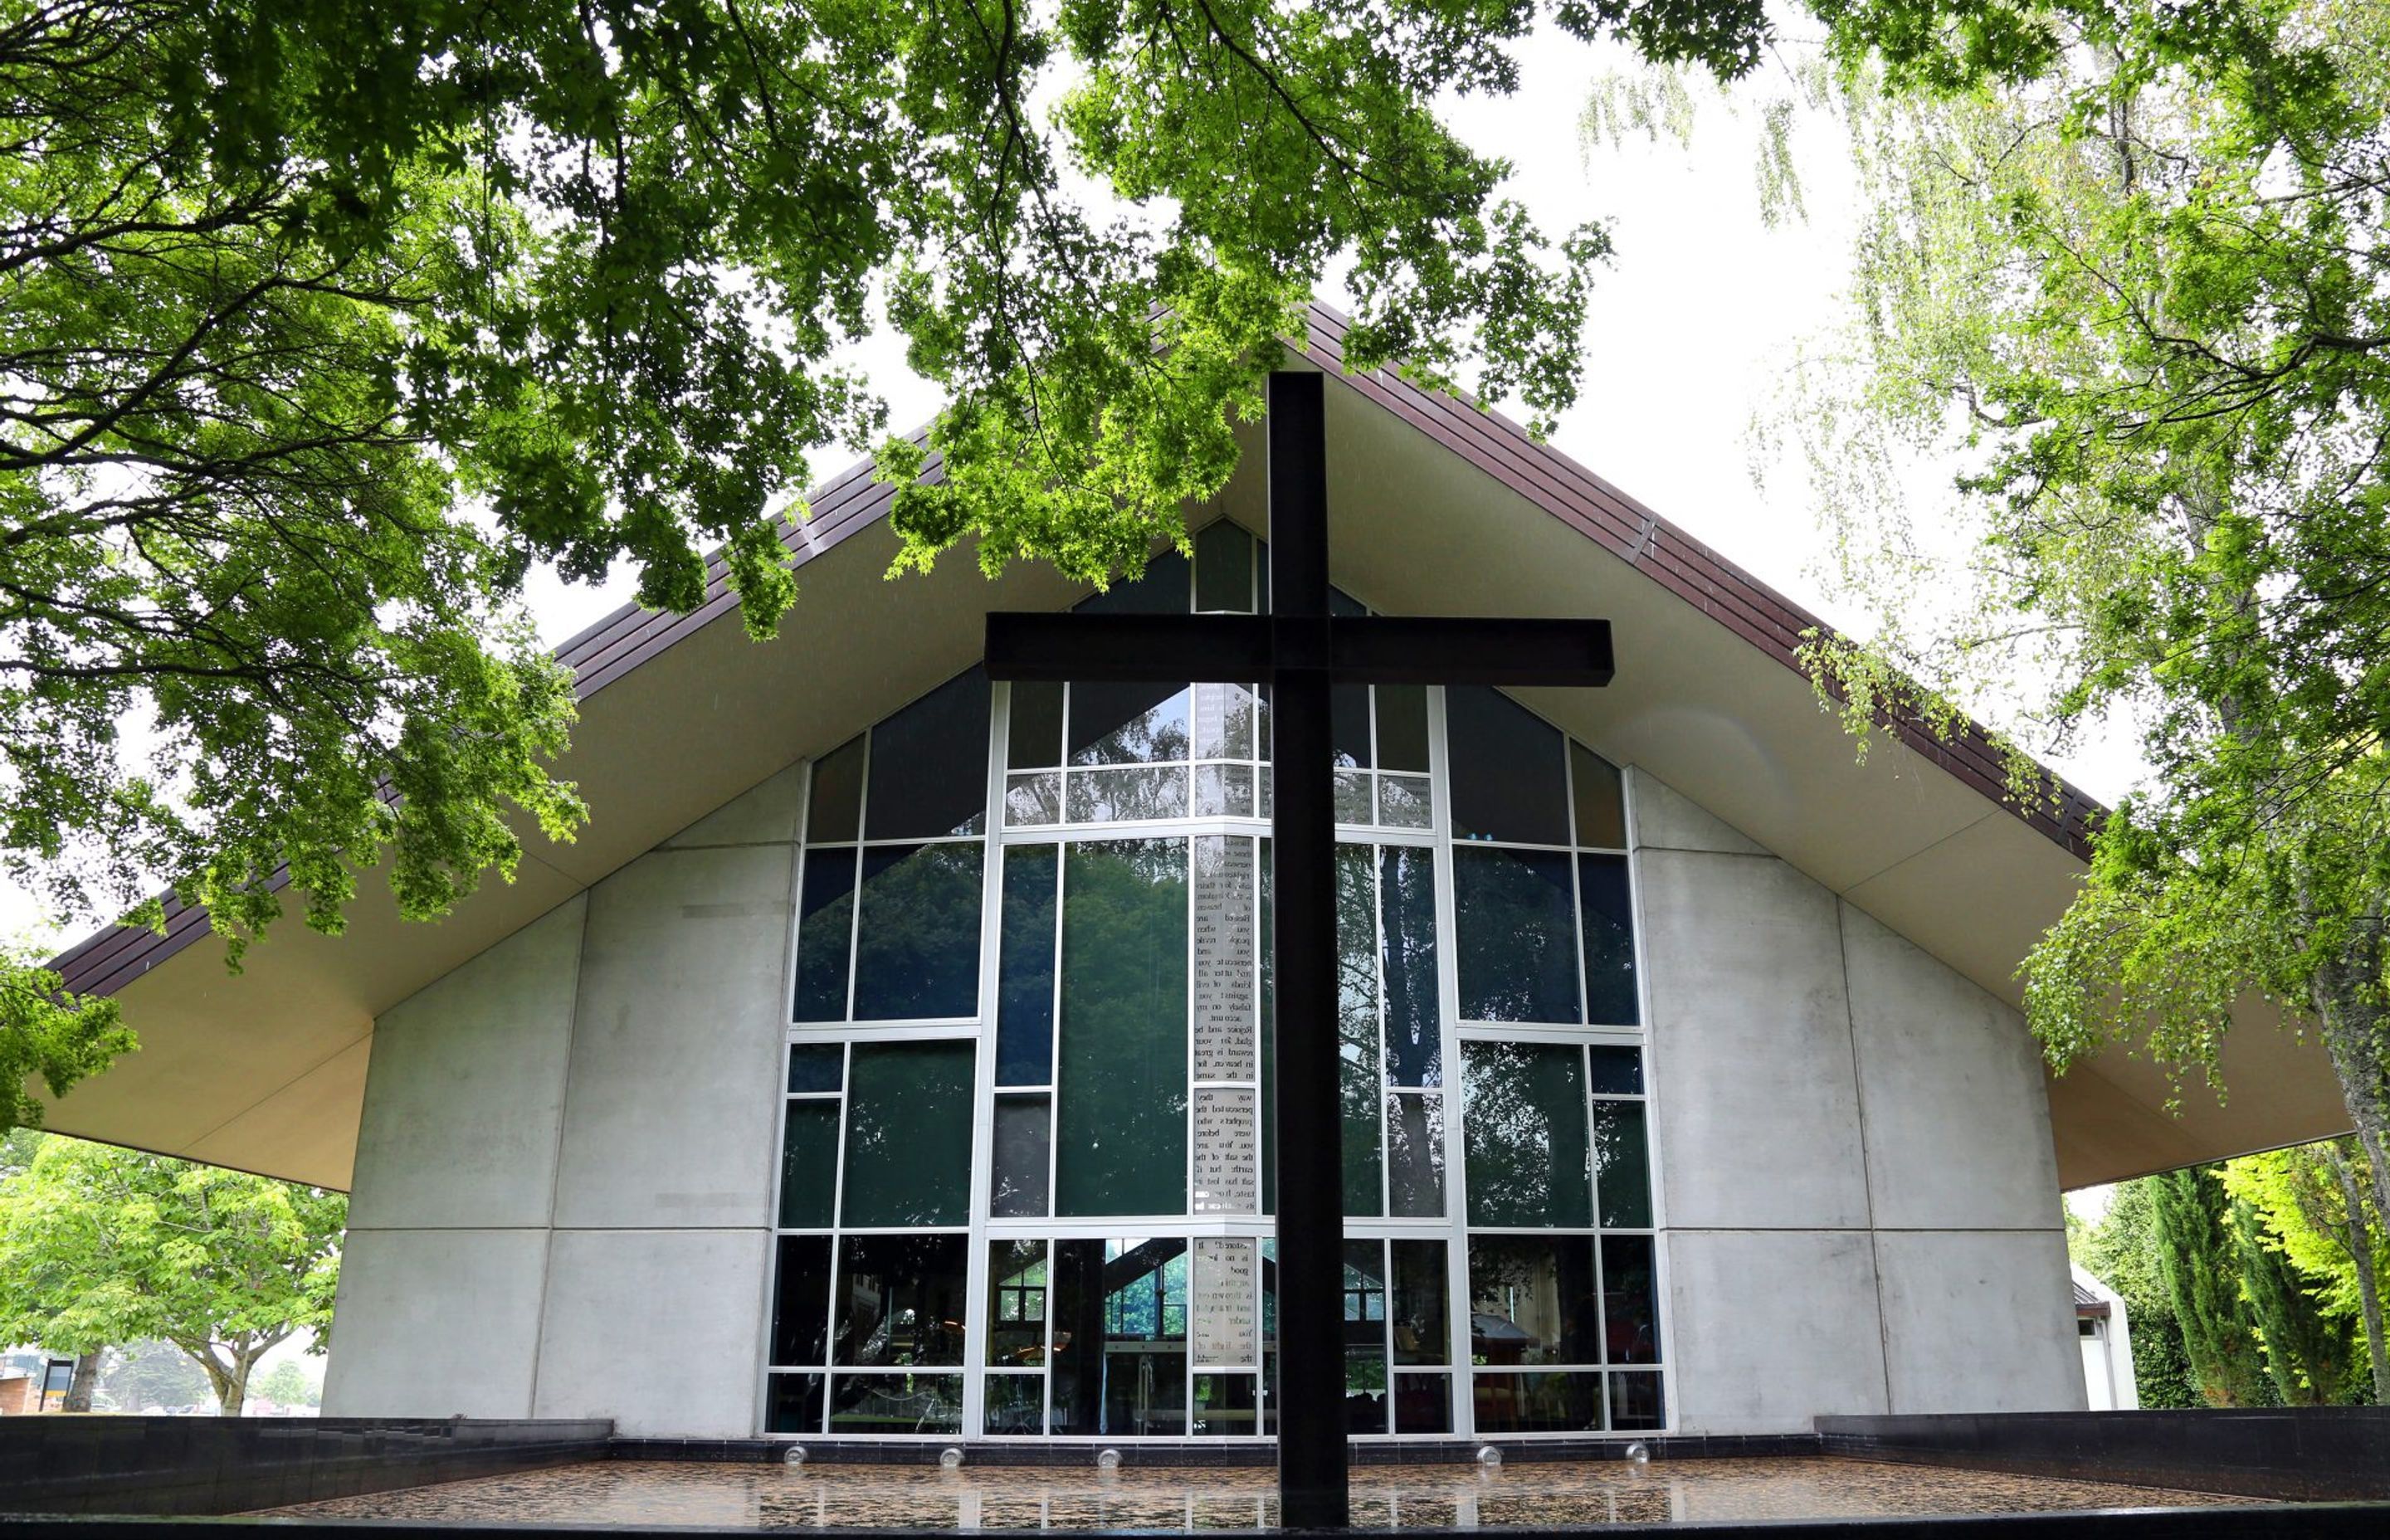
(1016, 1404)
(1226, 1404)
(1024, 986)
(1224, 569)
(1626, 1170)
(1600, 805)
(1122, 1139)
(1530, 1162)
(896, 1404)
(1358, 1081)
(929, 765)
(1402, 728)
(1033, 738)
(1160, 591)
(1406, 907)
(795, 1405)
(1539, 1403)
(1514, 922)
(1636, 1403)
(1608, 941)
(809, 1165)
(816, 1069)
(825, 931)
(901, 1300)
(1022, 1142)
(1119, 796)
(1422, 1329)
(916, 944)
(1414, 1155)
(1507, 777)
(909, 1134)
(1533, 1300)
(801, 1299)
(1016, 1313)
(1115, 724)
(1422, 1404)
(1630, 1303)
(1348, 725)
(1120, 1328)
(1617, 1072)
(836, 810)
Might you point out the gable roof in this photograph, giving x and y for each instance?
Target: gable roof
(1440, 508)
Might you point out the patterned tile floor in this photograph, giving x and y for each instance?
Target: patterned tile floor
(632, 1492)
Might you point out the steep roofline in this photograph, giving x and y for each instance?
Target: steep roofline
(1619, 523)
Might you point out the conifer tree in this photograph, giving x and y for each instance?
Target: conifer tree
(2200, 1264)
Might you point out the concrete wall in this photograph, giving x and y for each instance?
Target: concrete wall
(561, 1206)
(1854, 1154)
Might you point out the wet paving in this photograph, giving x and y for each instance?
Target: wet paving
(1015, 1497)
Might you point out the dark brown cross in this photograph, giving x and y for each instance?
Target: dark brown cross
(1301, 650)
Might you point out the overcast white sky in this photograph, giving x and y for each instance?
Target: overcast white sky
(1693, 324)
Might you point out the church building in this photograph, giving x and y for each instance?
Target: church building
(892, 1054)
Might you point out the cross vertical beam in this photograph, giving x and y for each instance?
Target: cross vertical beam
(1306, 1137)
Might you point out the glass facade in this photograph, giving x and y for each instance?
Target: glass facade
(1026, 1186)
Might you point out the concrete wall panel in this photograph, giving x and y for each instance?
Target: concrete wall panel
(662, 1331)
(675, 1070)
(1773, 1328)
(764, 815)
(1958, 1124)
(436, 1323)
(1757, 1109)
(466, 1089)
(1667, 819)
(1979, 1321)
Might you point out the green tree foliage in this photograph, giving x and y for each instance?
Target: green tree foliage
(2309, 1353)
(2139, 295)
(2315, 1211)
(2198, 1260)
(2121, 1250)
(287, 1384)
(153, 1373)
(101, 1246)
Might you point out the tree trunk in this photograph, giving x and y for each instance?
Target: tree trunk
(86, 1381)
(2361, 1251)
(2355, 1030)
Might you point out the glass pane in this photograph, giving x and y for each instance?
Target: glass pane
(1414, 1155)
(1405, 801)
(1507, 776)
(1351, 796)
(1268, 1067)
(1033, 738)
(1222, 791)
(1630, 1303)
(1523, 1115)
(796, 1403)
(1348, 725)
(1120, 1329)
(801, 1299)
(1514, 922)
(1342, 603)
(1359, 1081)
(1364, 1390)
(1539, 1403)
(1224, 569)
(1016, 1404)
(825, 932)
(1115, 723)
(901, 1300)
(1161, 590)
(1636, 1403)
(1031, 801)
(1625, 1168)
(1406, 906)
(1600, 805)
(809, 1165)
(1227, 1144)
(1533, 1300)
(896, 1404)
(1608, 941)
(1226, 1404)
(1025, 974)
(1402, 728)
(1422, 1404)
(1422, 1329)
(916, 944)
(835, 811)
(1224, 722)
(1022, 1140)
(1016, 1305)
(929, 765)
(1122, 1139)
(1226, 942)
(1616, 1072)
(909, 1134)
(1126, 796)
(819, 1067)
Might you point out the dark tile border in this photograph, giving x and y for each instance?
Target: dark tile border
(1203, 1455)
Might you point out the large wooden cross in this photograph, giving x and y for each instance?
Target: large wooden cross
(1301, 650)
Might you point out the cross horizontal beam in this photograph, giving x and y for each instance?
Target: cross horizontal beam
(1358, 650)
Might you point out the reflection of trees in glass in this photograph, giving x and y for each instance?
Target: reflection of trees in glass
(929, 765)
(1608, 941)
(1359, 1077)
(1414, 1038)
(917, 945)
(1514, 922)
(909, 1134)
(901, 1300)
(825, 933)
(1523, 1117)
(1123, 1072)
(1533, 1300)
(1415, 1154)
(1625, 1174)
(1138, 723)
(1630, 1303)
